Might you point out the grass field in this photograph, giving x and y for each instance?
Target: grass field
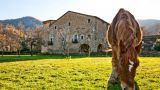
(75, 73)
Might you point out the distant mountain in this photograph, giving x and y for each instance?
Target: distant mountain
(148, 22)
(28, 22)
(150, 26)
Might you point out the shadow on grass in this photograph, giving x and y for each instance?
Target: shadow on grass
(117, 86)
(13, 58)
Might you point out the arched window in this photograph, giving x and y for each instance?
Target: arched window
(100, 48)
(84, 48)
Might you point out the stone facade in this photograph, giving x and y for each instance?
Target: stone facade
(75, 33)
(149, 42)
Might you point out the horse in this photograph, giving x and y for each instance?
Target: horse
(125, 38)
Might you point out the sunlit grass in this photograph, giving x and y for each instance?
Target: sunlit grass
(72, 74)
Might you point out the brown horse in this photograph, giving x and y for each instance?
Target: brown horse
(125, 38)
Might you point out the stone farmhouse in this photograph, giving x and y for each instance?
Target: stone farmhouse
(75, 33)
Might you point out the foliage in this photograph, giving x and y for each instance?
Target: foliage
(60, 73)
(16, 39)
(157, 45)
(25, 47)
(10, 38)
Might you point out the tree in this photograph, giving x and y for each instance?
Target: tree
(65, 37)
(2, 44)
(2, 38)
(21, 30)
(157, 45)
(34, 40)
(11, 38)
(29, 40)
(25, 47)
(37, 36)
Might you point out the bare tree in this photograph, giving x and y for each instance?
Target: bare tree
(38, 33)
(34, 40)
(20, 37)
(29, 40)
(65, 36)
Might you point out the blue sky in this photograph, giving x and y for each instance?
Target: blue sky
(53, 9)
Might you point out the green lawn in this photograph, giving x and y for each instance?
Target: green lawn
(77, 73)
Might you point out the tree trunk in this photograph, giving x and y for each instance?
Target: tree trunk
(18, 52)
(89, 52)
(68, 52)
(2, 52)
(31, 49)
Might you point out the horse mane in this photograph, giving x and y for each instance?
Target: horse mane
(130, 24)
(125, 33)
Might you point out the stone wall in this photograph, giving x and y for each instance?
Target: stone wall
(72, 30)
(149, 41)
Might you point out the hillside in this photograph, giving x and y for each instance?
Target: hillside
(150, 26)
(28, 22)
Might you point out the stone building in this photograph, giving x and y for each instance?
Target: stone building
(48, 23)
(149, 42)
(75, 33)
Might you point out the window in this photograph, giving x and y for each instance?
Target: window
(63, 41)
(89, 36)
(75, 38)
(82, 37)
(50, 42)
(51, 39)
(69, 24)
(89, 20)
(55, 27)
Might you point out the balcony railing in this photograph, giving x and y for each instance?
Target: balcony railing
(50, 42)
(74, 41)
